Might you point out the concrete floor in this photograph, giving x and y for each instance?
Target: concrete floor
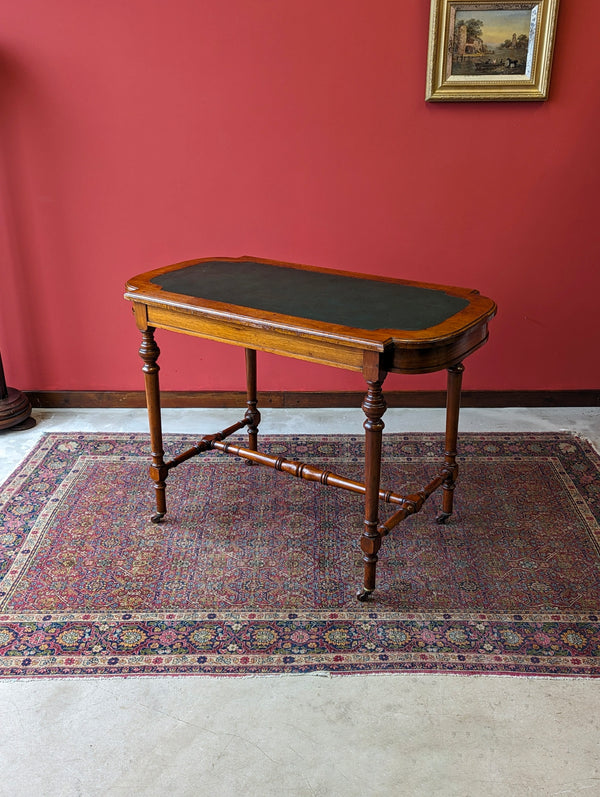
(310, 735)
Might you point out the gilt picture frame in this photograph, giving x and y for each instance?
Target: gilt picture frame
(497, 51)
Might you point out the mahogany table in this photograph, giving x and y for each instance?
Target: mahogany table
(363, 323)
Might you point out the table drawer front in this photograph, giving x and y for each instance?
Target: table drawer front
(281, 342)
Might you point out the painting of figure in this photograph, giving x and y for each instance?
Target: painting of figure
(488, 39)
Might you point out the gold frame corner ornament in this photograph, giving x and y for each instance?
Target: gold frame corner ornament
(493, 81)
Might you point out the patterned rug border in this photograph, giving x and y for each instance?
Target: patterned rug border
(560, 644)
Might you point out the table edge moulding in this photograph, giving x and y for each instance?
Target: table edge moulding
(359, 322)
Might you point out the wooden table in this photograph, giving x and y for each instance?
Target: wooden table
(363, 323)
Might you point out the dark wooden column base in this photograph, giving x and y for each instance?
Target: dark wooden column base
(15, 411)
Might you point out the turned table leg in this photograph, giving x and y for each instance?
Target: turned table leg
(149, 353)
(373, 406)
(252, 416)
(452, 411)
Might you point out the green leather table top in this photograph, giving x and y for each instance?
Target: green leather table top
(320, 296)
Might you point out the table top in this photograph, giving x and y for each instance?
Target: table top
(327, 297)
(354, 310)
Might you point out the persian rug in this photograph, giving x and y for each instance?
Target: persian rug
(254, 571)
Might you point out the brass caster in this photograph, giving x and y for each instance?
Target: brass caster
(442, 517)
(157, 518)
(363, 595)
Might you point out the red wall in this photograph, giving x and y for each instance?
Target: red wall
(137, 133)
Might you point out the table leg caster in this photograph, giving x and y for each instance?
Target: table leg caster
(157, 518)
(363, 594)
(442, 517)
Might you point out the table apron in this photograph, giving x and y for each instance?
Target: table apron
(437, 355)
(283, 342)
(401, 357)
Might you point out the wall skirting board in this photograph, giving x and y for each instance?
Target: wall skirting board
(60, 399)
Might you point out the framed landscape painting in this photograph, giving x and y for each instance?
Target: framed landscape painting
(490, 51)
